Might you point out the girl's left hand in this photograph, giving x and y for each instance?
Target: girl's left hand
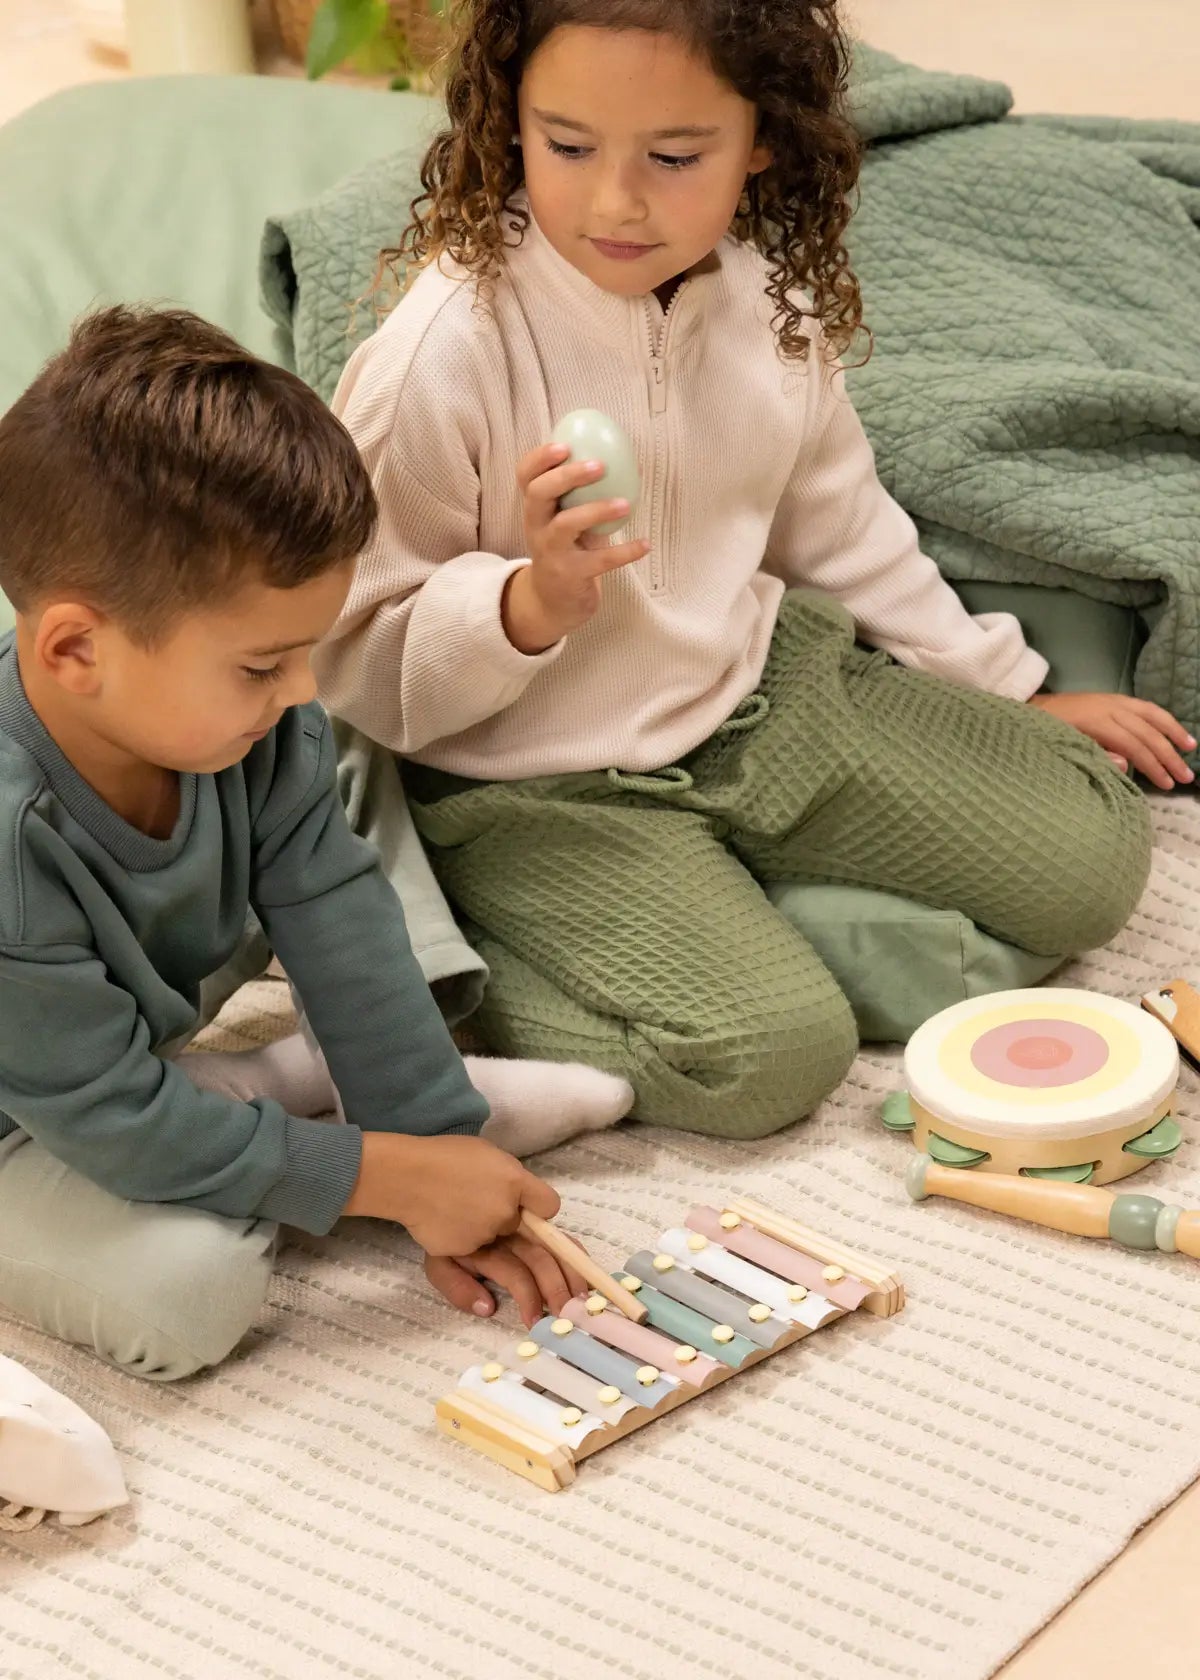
(530, 1274)
(1132, 732)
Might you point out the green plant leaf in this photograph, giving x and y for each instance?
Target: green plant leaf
(383, 55)
(340, 29)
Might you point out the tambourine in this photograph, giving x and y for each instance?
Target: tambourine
(1048, 1083)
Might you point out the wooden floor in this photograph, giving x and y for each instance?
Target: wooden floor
(1138, 58)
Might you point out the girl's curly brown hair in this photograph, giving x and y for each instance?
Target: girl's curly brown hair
(790, 58)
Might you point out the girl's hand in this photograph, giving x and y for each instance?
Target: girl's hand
(530, 1274)
(1132, 732)
(560, 590)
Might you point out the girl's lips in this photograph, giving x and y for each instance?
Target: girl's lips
(620, 250)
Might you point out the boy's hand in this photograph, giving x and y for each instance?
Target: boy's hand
(455, 1195)
(1132, 732)
(531, 1275)
(560, 590)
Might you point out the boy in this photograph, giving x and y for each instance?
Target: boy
(178, 524)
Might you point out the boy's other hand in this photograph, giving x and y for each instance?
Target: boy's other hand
(560, 589)
(1134, 733)
(455, 1195)
(532, 1276)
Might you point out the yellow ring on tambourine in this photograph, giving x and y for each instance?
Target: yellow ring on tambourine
(1140, 1072)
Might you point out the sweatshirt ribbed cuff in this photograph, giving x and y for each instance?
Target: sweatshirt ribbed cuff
(1025, 678)
(323, 1161)
(465, 1128)
(483, 581)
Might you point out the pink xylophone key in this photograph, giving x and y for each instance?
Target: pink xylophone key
(777, 1257)
(638, 1340)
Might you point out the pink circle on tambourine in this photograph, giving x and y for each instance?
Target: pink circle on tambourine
(1039, 1054)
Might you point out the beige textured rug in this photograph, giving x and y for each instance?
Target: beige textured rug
(909, 1498)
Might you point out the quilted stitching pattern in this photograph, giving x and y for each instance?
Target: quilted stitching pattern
(624, 922)
(318, 265)
(1034, 397)
(1034, 289)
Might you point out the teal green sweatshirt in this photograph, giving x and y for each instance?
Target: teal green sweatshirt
(107, 934)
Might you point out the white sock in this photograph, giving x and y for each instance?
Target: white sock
(288, 1071)
(538, 1105)
(535, 1105)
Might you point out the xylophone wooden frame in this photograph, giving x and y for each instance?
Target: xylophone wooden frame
(475, 1421)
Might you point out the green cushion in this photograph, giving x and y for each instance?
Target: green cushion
(158, 190)
(1091, 645)
(899, 962)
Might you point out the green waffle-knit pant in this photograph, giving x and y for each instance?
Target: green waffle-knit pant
(623, 916)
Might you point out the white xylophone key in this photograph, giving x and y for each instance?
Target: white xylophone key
(539, 1411)
(713, 1261)
(815, 1312)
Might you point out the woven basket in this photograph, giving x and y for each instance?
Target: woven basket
(426, 35)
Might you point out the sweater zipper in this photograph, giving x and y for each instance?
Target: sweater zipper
(661, 467)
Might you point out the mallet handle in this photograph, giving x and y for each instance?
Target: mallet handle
(1082, 1210)
(567, 1251)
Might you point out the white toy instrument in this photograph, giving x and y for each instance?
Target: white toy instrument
(53, 1456)
(1048, 1083)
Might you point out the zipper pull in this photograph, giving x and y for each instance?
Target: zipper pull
(658, 386)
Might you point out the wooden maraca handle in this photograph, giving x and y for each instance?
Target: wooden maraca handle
(1082, 1210)
(568, 1253)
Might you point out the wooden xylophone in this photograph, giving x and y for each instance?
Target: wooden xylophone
(722, 1292)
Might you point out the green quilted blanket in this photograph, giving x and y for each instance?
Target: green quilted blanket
(1034, 289)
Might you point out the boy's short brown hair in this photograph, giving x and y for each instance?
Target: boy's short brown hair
(155, 465)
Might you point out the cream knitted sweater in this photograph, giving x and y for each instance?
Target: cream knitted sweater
(756, 475)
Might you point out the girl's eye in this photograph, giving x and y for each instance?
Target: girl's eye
(669, 162)
(574, 153)
(257, 673)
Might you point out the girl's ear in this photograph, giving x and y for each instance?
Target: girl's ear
(760, 159)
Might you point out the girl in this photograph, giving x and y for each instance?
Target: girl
(639, 206)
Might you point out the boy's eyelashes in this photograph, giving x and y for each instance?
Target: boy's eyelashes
(263, 673)
(576, 154)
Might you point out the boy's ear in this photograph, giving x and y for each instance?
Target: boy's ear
(760, 159)
(66, 644)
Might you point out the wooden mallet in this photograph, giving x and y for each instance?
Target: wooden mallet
(569, 1253)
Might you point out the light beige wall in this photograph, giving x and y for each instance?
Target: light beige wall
(1135, 58)
(1130, 57)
